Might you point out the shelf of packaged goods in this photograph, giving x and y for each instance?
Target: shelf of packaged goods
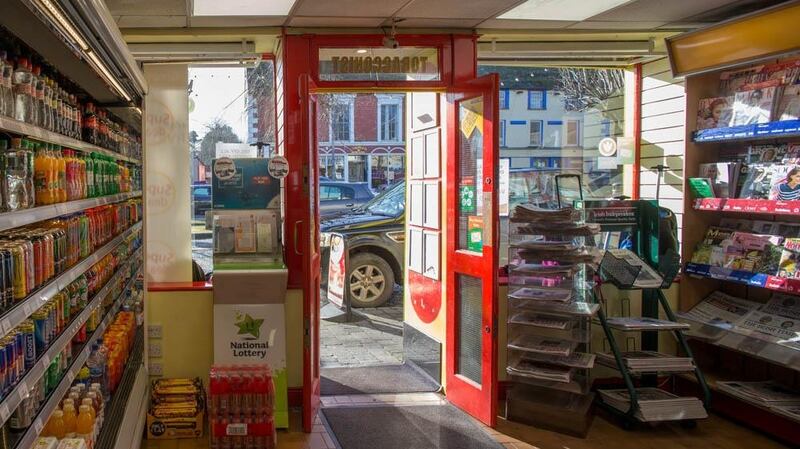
(17, 218)
(762, 280)
(33, 301)
(21, 390)
(748, 206)
(752, 414)
(128, 407)
(34, 132)
(756, 131)
(28, 438)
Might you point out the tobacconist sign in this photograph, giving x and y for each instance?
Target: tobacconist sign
(379, 64)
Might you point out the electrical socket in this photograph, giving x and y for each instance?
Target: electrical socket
(156, 369)
(154, 331)
(154, 350)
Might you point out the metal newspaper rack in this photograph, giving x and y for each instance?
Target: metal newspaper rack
(636, 242)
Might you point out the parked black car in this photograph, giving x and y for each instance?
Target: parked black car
(375, 234)
(338, 197)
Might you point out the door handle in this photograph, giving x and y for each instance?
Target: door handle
(296, 225)
(349, 204)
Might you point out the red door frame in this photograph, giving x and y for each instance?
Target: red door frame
(478, 400)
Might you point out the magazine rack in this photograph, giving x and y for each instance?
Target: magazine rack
(550, 307)
(639, 227)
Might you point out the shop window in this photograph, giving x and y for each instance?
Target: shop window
(536, 133)
(385, 170)
(502, 132)
(504, 98)
(341, 114)
(390, 122)
(356, 168)
(332, 166)
(572, 137)
(331, 193)
(537, 99)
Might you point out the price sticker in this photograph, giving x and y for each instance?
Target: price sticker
(46, 360)
(5, 325)
(38, 426)
(4, 412)
(70, 376)
(236, 429)
(27, 308)
(23, 390)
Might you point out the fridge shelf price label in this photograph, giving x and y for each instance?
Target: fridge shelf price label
(236, 429)
(5, 325)
(23, 390)
(38, 426)
(70, 376)
(46, 360)
(4, 412)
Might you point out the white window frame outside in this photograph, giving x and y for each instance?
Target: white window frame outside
(349, 101)
(577, 142)
(540, 143)
(384, 99)
(502, 133)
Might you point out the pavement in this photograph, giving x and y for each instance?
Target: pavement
(374, 337)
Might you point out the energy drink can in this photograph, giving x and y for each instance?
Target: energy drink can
(49, 264)
(11, 366)
(29, 343)
(38, 258)
(41, 336)
(19, 344)
(18, 271)
(4, 383)
(6, 276)
(30, 280)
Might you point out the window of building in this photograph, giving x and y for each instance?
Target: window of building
(502, 132)
(572, 137)
(537, 99)
(390, 121)
(385, 170)
(332, 166)
(536, 133)
(341, 114)
(504, 98)
(332, 193)
(357, 168)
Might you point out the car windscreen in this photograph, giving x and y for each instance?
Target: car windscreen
(391, 203)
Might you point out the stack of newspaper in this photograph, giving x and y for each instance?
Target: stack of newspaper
(644, 324)
(542, 345)
(649, 362)
(526, 367)
(656, 404)
(717, 313)
(769, 394)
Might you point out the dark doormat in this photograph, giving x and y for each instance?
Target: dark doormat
(406, 427)
(376, 379)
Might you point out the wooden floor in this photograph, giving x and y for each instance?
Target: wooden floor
(712, 433)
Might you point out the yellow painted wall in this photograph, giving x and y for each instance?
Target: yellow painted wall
(187, 322)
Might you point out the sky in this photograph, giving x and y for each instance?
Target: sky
(213, 90)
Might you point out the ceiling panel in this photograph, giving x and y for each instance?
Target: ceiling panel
(348, 8)
(510, 24)
(444, 9)
(615, 25)
(659, 10)
(237, 21)
(436, 23)
(150, 21)
(147, 7)
(357, 22)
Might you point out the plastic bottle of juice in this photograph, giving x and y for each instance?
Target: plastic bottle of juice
(62, 178)
(81, 176)
(55, 425)
(96, 396)
(51, 167)
(85, 426)
(90, 189)
(43, 195)
(70, 420)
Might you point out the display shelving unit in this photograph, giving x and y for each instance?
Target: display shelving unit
(730, 356)
(39, 29)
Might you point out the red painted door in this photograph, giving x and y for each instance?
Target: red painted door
(472, 246)
(308, 234)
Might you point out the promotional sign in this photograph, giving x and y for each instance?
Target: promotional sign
(254, 334)
(467, 198)
(607, 147)
(379, 64)
(626, 150)
(475, 233)
(278, 167)
(233, 150)
(337, 271)
(243, 184)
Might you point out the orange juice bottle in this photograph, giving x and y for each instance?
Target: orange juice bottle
(52, 174)
(62, 178)
(70, 420)
(40, 177)
(85, 426)
(55, 425)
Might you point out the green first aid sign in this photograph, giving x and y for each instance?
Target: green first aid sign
(467, 199)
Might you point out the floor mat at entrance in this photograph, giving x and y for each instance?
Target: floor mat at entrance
(406, 427)
(375, 380)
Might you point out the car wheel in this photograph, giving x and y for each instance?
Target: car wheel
(371, 280)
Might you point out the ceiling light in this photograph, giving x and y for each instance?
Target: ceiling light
(574, 10)
(66, 25)
(361, 51)
(107, 75)
(242, 7)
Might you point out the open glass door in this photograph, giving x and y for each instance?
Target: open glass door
(309, 230)
(472, 247)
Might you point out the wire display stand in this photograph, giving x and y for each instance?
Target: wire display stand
(647, 267)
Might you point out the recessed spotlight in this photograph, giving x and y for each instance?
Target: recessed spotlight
(361, 51)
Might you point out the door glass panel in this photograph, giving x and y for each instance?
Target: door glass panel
(469, 297)
(470, 190)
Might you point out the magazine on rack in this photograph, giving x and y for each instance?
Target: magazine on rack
(785, 182)
(790, 259)
(715, 112)
(755, 104)
(724, 177)
(644, 323)
(789, 106)
(656, 404)
(541, 370)
(769, 327)
(784, 305)
(647, 277)
(540, 320)
(542, 345)
(757, 182)
(711, 250)
(767, 154)
(648, 361)
(542, 294)
(720, 310)
(763, 393)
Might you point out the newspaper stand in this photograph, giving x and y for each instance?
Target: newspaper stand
(637, 224)
(550, 308)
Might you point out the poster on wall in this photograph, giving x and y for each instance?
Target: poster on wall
(337, 270)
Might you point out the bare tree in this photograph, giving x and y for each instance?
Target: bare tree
(585, 89)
